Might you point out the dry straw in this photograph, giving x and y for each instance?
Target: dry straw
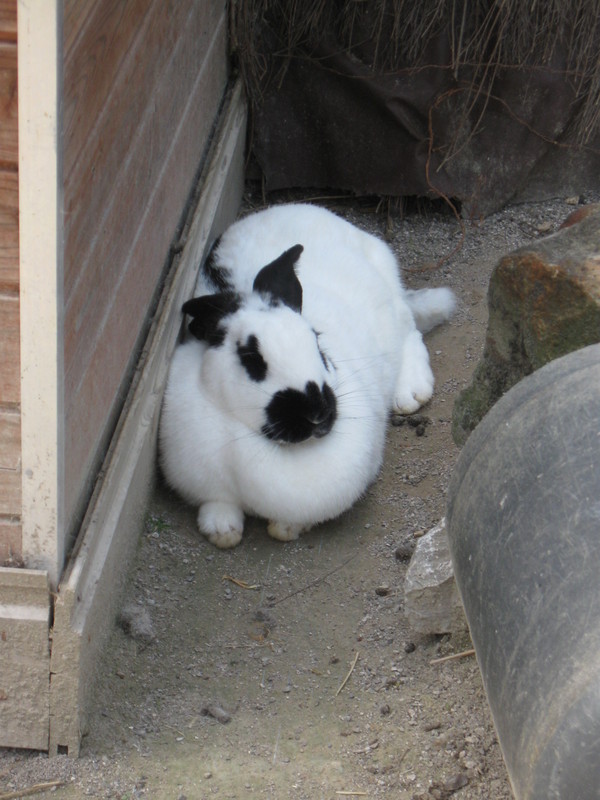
(481, 36)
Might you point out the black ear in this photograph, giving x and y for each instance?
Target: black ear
(207, 313)
(279, 279)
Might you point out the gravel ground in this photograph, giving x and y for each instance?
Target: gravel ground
(289, 671)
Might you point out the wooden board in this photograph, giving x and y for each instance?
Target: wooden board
(10, 464)
(9, 232)
(10, 440)
(8, 104)
(40, 281)
(9, 351)
(24, 658)
(89, 594)
(11, 553)
(8, 20)
(143, 81)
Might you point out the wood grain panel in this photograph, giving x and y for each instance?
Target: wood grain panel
(10, 392)
(10, 463)
(101, 42)
(8, 104)
(9, 232)
(114, 150)
(124, 206)
(8, 20)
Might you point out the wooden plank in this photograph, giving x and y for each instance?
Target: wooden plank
(11, 551)
(10, 390)
(24, 658)
(8, 20)
(9, 232)
(8, 103)
(118, 120)
(10, 439)
(106, 310)
(10, 463)
(111, 169)
(89, 593)
(101, 42)
(41, 261)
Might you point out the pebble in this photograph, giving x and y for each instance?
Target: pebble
(404, 551)
(216, 712)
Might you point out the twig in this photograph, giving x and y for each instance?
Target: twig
(345, 681)
(35, 789)
(315, 582)
(351, 794)
(451, 657)
(241, 584)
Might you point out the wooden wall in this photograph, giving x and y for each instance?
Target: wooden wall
(10, 441)
(141, 84)
(143, 81)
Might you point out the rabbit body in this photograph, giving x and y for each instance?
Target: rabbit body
(278, 406)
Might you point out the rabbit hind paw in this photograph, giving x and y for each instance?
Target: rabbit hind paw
(285, 531)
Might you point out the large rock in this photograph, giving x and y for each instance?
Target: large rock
(544, 302)
(431, 600)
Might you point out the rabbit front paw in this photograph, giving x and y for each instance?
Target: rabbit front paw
(409, 399)
(285, 531)
(414, 386)
(221, 523)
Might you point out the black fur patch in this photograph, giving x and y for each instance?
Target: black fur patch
(294, 416)
(279, 281)
(251, 358)
(208, 313)
(219, 276)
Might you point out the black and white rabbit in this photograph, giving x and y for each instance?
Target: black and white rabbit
(303, 342)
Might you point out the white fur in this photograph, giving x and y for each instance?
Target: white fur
(212, 448)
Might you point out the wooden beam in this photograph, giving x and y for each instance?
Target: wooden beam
(41, 265)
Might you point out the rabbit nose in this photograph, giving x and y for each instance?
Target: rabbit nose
(325, 411)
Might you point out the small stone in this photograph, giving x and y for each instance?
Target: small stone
(572, 201)
(404, 551)
(410, 647)
(216, 712)
(382, 591)
(455, 783)
(544, 227)
(385, 710)
(431, 601)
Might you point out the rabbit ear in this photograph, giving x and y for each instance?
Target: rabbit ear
(208, 312)
(279, 279)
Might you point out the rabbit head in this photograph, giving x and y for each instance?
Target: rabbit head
(263, 364)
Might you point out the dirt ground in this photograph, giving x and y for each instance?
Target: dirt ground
(289, 670)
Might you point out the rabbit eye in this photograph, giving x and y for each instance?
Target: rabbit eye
(251, 358)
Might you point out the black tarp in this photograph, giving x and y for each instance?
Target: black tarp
(328, 119)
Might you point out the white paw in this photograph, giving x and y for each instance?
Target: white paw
(414, 386)
(221, 523)
(285, 531)
(409, 398)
